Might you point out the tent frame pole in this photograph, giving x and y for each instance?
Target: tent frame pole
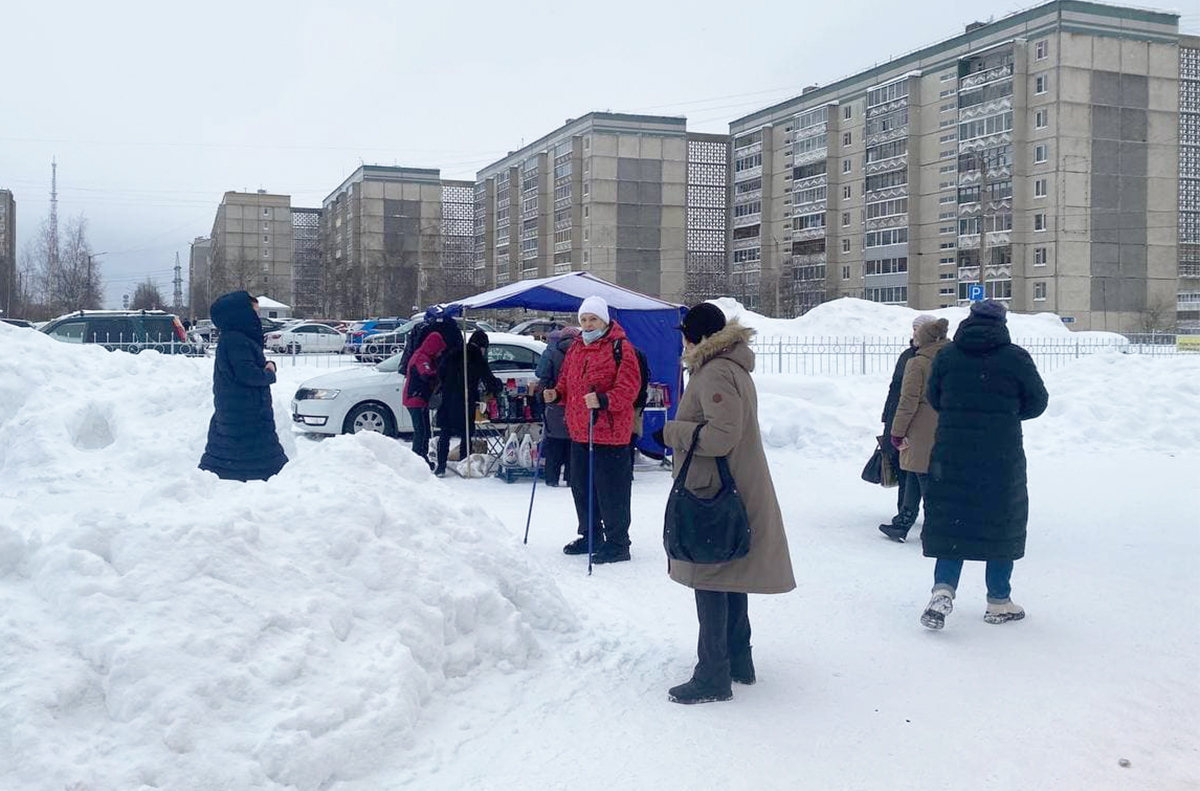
(467, 416)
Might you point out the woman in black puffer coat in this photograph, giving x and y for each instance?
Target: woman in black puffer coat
(242, 443)
(977, 505)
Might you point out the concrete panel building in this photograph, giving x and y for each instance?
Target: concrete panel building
(252, 245)
(608, 194)
(1188, 298)
(307, 283)
(1036, 156)
(200, 295)
(8, 252)
(396, 239)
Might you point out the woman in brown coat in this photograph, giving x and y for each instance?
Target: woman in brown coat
(915, 424)
(720, 395)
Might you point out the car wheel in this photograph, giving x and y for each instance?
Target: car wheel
(370, 416)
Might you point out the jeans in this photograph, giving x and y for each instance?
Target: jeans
(998, 575)
(724, 634)
(611, 489)
(558, 459)
(421, 431)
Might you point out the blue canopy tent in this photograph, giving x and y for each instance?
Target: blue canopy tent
(650, 323)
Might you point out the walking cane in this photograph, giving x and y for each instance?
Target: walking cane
(591, 483)
(529, 518)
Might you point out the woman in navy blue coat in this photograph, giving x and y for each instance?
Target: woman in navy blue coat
(242, 444)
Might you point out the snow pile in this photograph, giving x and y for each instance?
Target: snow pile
(162, 628)
(849, 317)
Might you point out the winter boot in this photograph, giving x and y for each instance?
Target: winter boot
(900, 525)
(741, 669)
(940, 605)
(696, 691)
(1003, 612)
(576, 547)
(610, 553)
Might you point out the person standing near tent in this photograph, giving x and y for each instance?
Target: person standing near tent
(977, 503)
(420, 381)
(454, 410)
(557, 441)
(242, 443)
(722, 402)
(915, 425)
(592, 386)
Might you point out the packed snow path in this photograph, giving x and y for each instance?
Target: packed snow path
(357, 624)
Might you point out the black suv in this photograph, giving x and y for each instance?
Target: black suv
(126, 330)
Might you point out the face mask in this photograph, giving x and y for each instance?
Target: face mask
(591, 336)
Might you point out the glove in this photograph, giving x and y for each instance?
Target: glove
(657, 436)
(897, 442)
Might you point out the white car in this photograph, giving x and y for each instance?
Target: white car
(306, 337)
(370, 398)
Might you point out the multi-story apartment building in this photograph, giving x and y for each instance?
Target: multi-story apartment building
(395, 239)
(306, 262)
(8, 252)
(634, 199)
(1036, 157)
(1188, 300)
(200, 294)
(252, 247)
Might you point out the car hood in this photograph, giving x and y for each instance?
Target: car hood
(351, 379)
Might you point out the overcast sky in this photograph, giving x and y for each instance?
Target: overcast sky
(154, 109)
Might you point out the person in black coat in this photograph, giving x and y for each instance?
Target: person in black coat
(977, 504)
(557, 441)
(452, 414)
(889, 414)
(242, 443)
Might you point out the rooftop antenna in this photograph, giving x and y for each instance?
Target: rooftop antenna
(178, 298)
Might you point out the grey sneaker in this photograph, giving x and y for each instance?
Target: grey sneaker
(1003, 612)
(940, 605)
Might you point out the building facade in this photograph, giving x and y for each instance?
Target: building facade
(1035, 157)
(200, 293)
(608, 194)
(252, 247)
(307, 283)
(1188, 298)
(394, 240)
(9, 297)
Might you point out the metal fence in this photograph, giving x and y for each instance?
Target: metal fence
(846, 356)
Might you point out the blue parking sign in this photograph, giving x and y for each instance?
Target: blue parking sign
(975, 292)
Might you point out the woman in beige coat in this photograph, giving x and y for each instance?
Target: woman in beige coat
(915, 425)
(720, 395)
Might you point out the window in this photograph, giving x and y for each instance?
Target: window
(896, 148)
(946, 292)
(1039, 119)
(1039, 188)
(587, 188)
(845, 245)
(948, 199)
(892, 295)
(747, 163)
(888, 93)
(886, 266)
(948, 276)
(846, 138)
(847, 111)
(71, 331)
(947, 246)
(998, 289)
(266, 253)
(800, 223)
(1040, 154)
(1039, 84)
(266, 238)
(946, 77)
(845, 219)
(946, 261)
(266, 212)
(1040, 256)
(886, 237)
(847, 165)
(587, 234)
(882, 181)
(846, 192)
(1039, 292)
(587, 143)
(587, 211)
(887, 208)
(951, 168)
(1039, 50)
(266, 226)
(946, 230)
(586, 255)
(845, 273)
(1039, 221)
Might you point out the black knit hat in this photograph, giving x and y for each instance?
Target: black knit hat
(989, 309)
(480, 338)
(701, 321)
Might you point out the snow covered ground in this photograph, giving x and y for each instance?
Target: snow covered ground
(357, 624)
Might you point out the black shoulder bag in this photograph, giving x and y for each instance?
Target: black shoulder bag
(706, 530)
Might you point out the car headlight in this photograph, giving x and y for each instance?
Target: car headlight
(320, 395)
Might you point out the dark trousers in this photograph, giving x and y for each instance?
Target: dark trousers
(724, 634)
(611, 481)
(421, 431)
(910, 506)
(893, 456)
(558, 459)
(443, 445)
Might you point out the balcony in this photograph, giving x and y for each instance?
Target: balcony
(747, 174)
(968, 274)
(984, 77)
(984, 109)
(753, 148)
(749, 219)
(745, 244)
(883, 165)
(805, 234)
(969, 241)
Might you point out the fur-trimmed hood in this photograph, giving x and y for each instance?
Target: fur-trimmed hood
(733, 342)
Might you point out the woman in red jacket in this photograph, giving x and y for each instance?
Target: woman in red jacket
(419, 383)
(593, 386)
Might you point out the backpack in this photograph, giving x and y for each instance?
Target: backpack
(416, 336)
(643, 373)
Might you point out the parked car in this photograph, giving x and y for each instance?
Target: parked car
(19, 323)
(204, 329)
(369, 398)
(126, 330)
(360, 330)
(305, 337)
(377, 348)
(537, 328)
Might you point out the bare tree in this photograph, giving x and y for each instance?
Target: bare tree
(1158, 315)
(77, 284)
(146, 296)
